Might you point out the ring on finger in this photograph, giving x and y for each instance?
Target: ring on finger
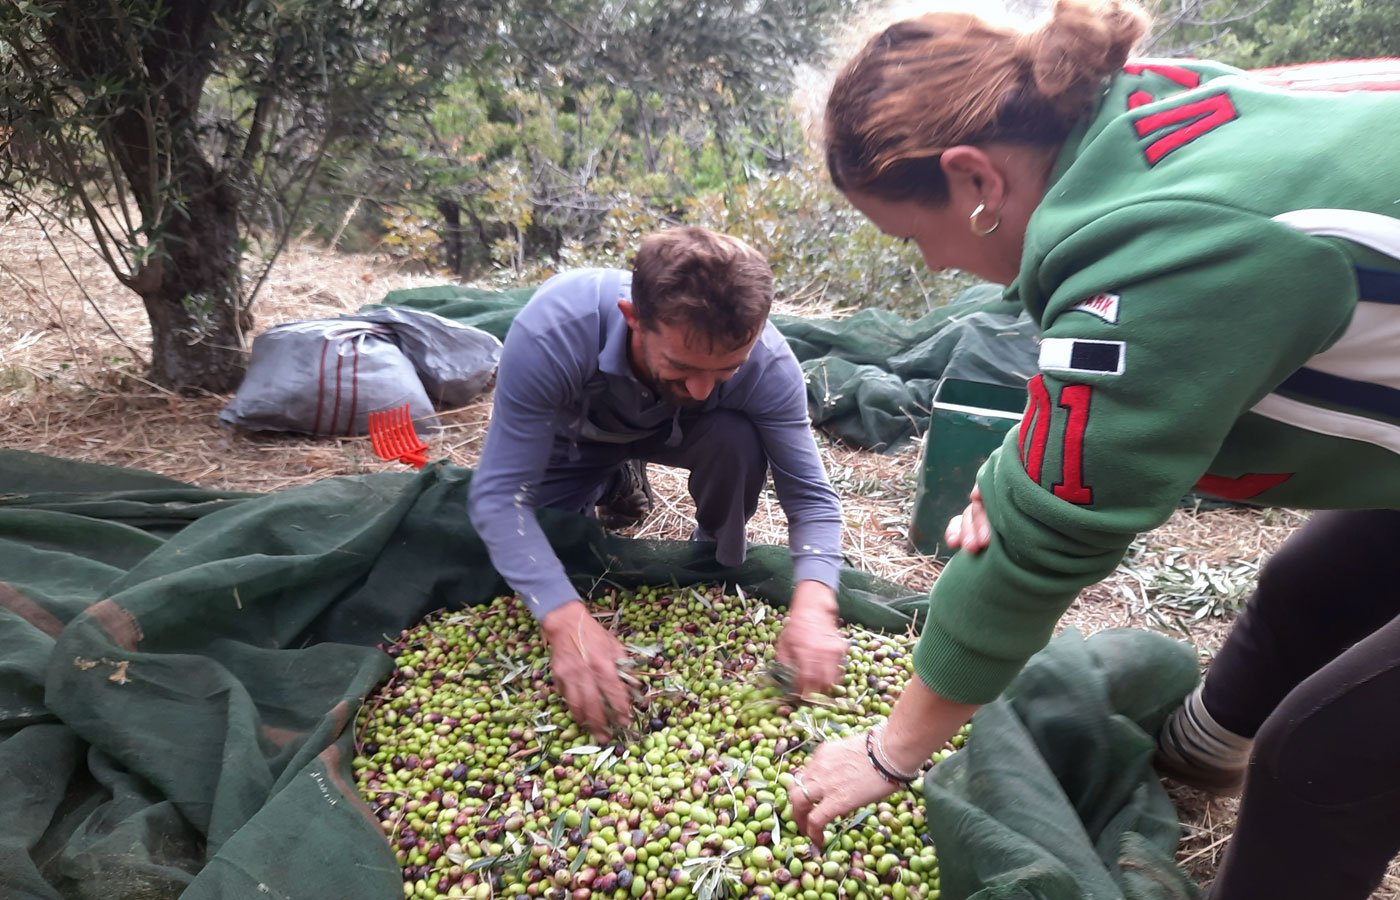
(802, 786)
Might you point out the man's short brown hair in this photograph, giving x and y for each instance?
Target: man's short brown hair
(711, 285)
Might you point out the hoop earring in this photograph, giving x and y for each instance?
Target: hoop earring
(972, 221)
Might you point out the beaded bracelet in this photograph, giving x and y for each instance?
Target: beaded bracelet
(886, 772)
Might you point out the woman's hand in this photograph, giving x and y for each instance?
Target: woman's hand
(837, 780)
(970, 531)
(840, 778)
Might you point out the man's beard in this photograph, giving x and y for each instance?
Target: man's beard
(675, 393)
(672, 391)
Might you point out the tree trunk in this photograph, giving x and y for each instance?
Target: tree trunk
(451, 214)
(195, 306)
(486, 237)
(189, 282)
(644, 126)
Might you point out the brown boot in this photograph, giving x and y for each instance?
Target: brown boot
(1194, 750)
(628, 499)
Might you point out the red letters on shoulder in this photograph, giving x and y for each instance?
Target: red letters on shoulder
(1173, 128)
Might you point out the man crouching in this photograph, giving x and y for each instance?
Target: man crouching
(675, 363)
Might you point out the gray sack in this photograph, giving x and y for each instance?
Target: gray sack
(325, 376)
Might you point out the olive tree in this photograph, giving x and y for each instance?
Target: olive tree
(1257, 33)
(588, 108)
(185, 133)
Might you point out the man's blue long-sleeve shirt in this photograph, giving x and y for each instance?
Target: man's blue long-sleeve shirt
(564, 376)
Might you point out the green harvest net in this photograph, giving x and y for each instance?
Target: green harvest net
(180, 670)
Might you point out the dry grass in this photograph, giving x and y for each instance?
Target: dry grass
(71, 386)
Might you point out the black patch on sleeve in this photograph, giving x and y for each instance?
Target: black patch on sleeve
(1096, 357)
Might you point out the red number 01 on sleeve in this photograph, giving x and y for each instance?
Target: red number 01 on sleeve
(1035, 434)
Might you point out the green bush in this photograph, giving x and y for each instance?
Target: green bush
(822, 251)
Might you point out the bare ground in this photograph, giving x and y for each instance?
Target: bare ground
(71, 386)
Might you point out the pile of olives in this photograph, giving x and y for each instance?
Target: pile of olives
(486, 788)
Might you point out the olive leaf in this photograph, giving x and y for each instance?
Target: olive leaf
(515, 673)
(578, 862)
(556, 834)
(716, 877)
(606, 759)
(855, 820)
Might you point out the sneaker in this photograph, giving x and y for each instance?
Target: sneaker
(1195, 750)
(629, 497)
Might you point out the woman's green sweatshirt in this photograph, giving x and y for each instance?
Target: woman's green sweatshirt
(1215, 268)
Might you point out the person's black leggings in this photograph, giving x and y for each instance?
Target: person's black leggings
(1312, 672)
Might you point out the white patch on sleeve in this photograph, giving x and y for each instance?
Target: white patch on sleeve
(1329, 421)
(1082, 357)
(1380, 233)
(1103, 306)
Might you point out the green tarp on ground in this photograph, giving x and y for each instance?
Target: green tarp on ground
(1054, 798)
(180, 671)
(870, 376)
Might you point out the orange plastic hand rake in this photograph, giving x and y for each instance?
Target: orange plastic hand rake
(392, 436)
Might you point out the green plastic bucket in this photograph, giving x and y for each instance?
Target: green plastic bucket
(969, 420)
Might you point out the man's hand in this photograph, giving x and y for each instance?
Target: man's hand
(810, 643)
(583, 659)
(970, 530)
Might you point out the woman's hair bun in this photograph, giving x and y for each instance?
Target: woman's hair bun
(1080, 44)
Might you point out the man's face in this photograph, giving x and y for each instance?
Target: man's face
(679, 365)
